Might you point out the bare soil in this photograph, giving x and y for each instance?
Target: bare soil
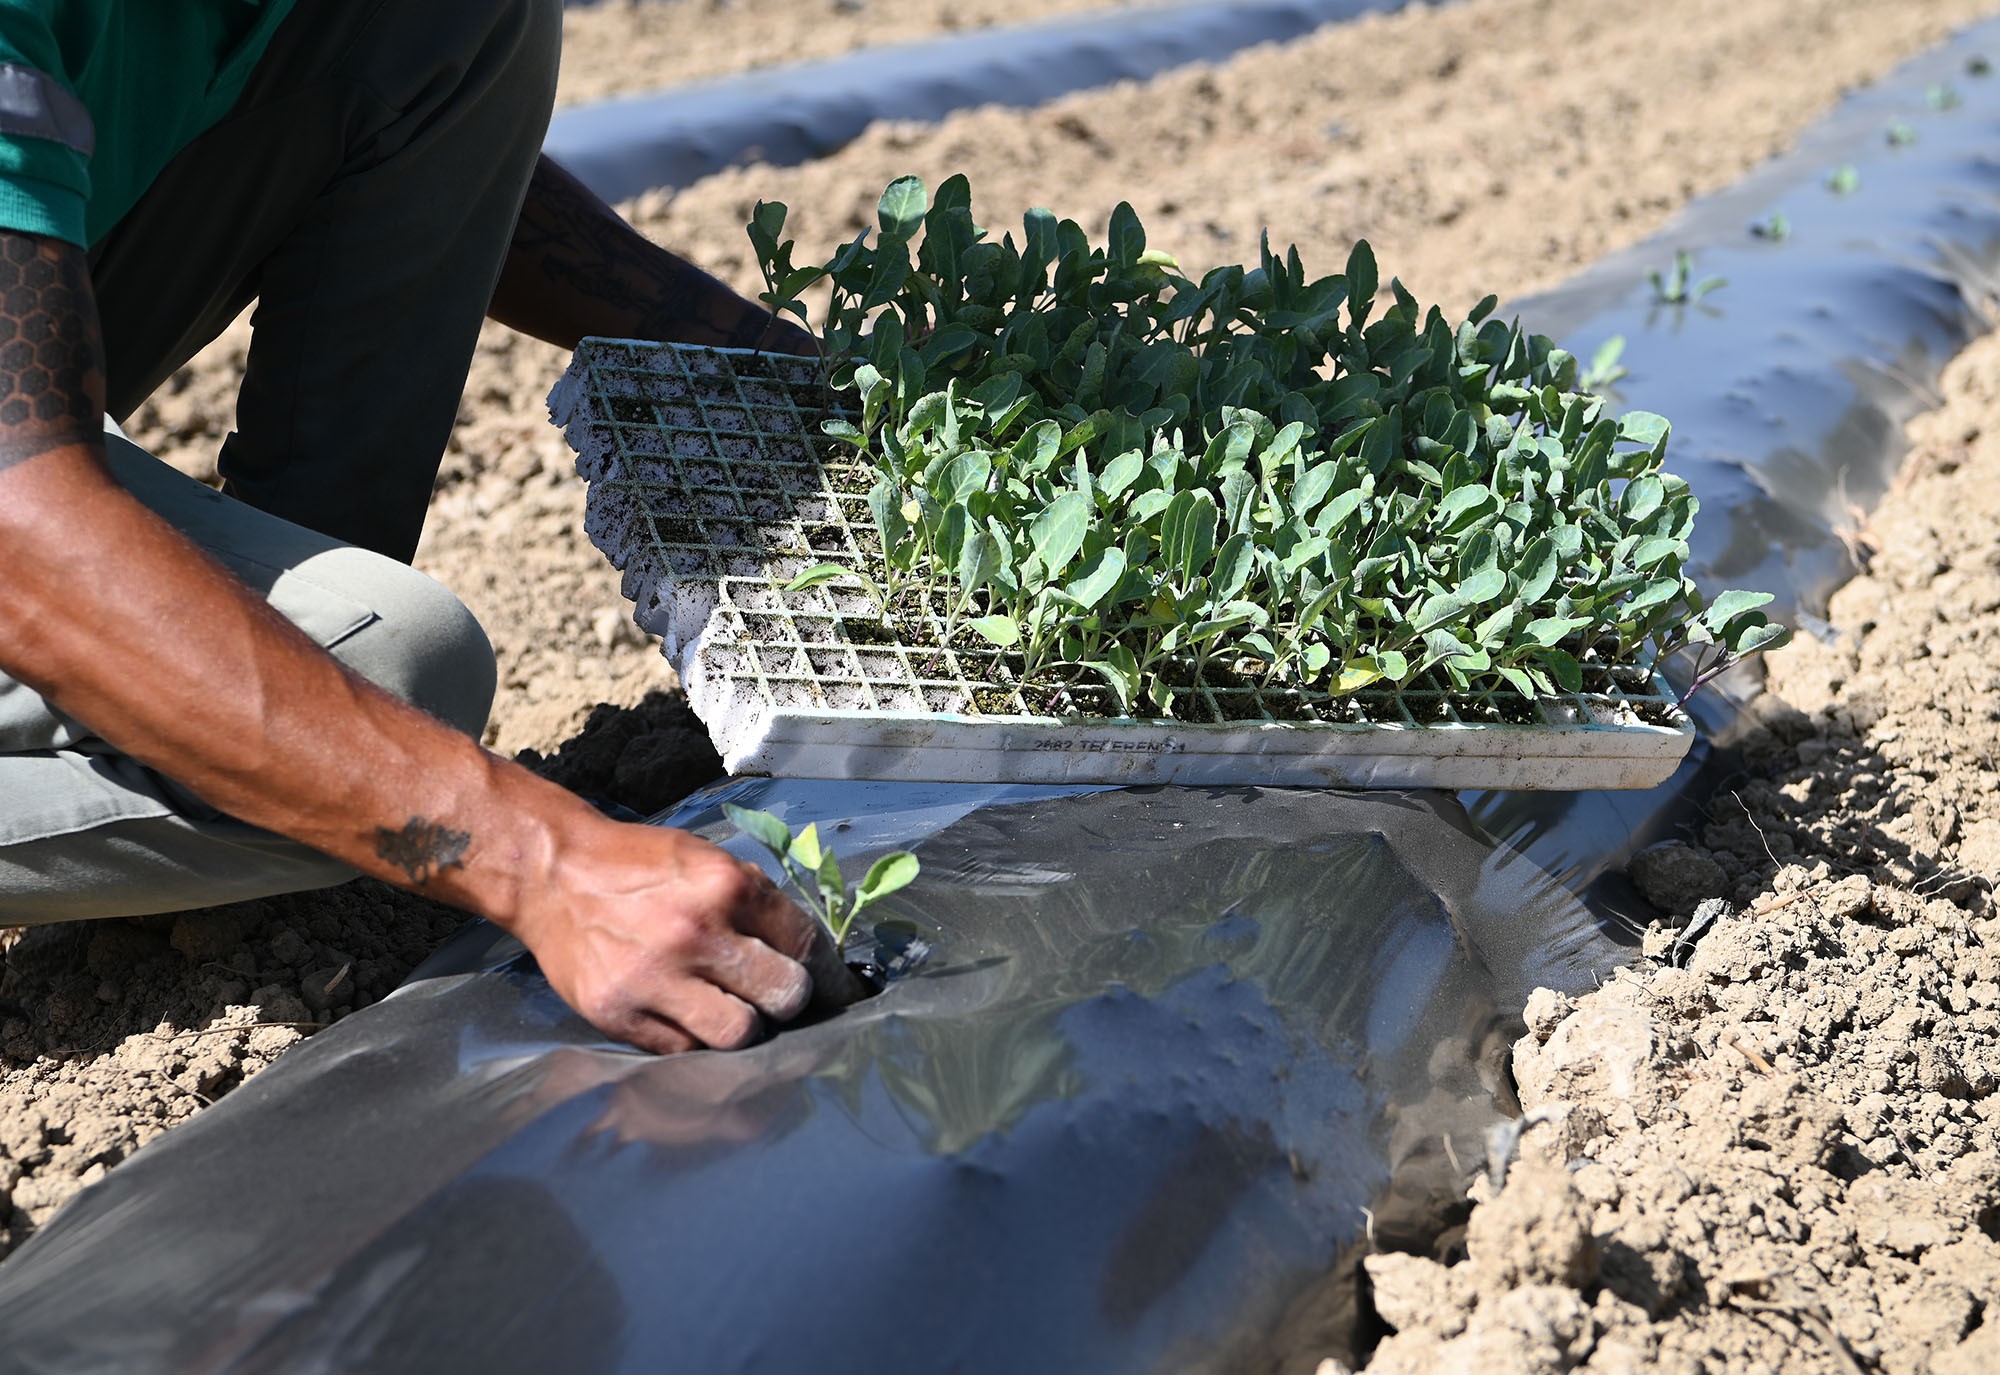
(1777, 1147)
(1778, 1156)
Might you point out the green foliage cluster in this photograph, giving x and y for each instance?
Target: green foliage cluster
(813, 869)
(1109, 469)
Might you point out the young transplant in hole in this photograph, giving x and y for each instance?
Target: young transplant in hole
(814, 872)
(1104, 470)
(1678, 286)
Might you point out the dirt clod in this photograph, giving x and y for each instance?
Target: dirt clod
(1677, 878)
(642, 758)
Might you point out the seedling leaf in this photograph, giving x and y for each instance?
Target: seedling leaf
(773, 834)
(805, 848)
(1058, 532)
(901, 211)
(1097, 577)
(815, 575)
(1001, 630)
(887, 875)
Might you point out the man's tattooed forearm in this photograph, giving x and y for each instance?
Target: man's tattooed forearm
(51, 355)
(422, 849)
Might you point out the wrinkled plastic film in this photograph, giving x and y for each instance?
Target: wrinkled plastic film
(1148, 1056)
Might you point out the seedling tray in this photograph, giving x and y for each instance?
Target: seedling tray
(711, 488)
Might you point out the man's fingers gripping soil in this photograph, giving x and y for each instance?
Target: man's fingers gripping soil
(781, 926)
(774, 984)
(774, 919)
(719, 1020)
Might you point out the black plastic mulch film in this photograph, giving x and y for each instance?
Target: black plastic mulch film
(792, 114)
(1157, 1064)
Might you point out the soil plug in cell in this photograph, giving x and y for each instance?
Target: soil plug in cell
(1092, 577)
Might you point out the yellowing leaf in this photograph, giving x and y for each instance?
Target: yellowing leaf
(1356, 674)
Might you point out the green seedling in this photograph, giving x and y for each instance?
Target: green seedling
(1725, 632)
(1605, 369)
(1117, 477)
(1901, 134)
(1942, 96)
(1776, 227)
(814, 871)
(1844, 180)
(1678, 286)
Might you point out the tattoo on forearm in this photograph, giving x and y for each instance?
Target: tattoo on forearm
(51, 355)
(570, 238)
(422, 849)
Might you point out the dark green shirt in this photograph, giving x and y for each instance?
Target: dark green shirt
(97, 96)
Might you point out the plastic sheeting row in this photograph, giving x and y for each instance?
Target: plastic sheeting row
(1789, 387)
(1146, 1058)
(792, 114)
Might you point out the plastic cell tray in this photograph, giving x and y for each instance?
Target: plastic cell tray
(712, 488)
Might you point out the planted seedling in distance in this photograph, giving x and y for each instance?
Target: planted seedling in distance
(1844, 180)
(1604, 369)
(1678, 286)
(1776, 227)
(813, 870)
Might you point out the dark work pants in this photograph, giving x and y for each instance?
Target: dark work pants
(363, 192)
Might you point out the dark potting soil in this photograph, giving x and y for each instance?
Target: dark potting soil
(870, 633)
(644, 758)
(630, 410)
(992, 702)
(1501, 708)
(677, 530)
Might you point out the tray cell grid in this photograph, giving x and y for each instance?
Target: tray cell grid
(721, 452)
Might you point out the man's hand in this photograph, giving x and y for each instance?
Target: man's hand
(663, 940)
(577, 269)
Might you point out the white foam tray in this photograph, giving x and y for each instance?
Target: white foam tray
(711, 488)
